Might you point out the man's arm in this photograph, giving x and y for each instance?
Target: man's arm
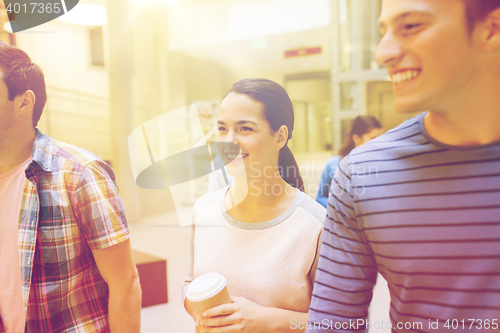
(346, 270)
(117, 267)
(101, 216)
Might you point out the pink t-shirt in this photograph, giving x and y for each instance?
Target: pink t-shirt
(11, 298)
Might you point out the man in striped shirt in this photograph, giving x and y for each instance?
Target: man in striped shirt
(65, 259)
(421, 203)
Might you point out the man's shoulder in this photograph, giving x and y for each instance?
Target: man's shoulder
(52, 154)
(74, 154)
(406, 137)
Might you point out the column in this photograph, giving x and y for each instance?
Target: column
(121, 103)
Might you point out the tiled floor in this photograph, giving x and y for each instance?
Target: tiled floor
(163, 237)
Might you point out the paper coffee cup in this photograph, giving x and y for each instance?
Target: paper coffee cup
(207, 291)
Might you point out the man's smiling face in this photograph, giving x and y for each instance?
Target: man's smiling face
(428, 52)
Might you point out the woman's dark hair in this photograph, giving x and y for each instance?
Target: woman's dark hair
(20, 75)
(277, 109)
(360, 126)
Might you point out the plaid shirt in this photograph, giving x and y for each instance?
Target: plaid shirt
(70, 206)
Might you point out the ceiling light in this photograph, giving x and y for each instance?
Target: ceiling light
(7, 27)
(86, 14)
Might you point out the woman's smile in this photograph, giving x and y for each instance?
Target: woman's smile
(232, 157)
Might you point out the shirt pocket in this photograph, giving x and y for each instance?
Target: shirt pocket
(57, 247)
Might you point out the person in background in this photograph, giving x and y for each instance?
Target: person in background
(65, 259)
(364, 129)
(267, 244)
(421, 203)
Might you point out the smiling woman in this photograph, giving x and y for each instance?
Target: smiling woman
(267, 242)
(262, 116)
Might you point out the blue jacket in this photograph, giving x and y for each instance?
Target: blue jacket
(326, 180)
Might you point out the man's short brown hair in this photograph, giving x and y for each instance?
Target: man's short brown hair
(20, 75)
(477, 10)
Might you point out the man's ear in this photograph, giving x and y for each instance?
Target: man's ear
(357, 140)
(281, 137)
(25, 102)
(491, 30)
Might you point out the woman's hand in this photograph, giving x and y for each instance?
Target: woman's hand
(192, 312)
(241, 316)
(199, 325)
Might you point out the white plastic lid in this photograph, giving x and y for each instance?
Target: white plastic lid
(205, 286)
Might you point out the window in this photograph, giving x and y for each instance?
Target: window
(96, 47)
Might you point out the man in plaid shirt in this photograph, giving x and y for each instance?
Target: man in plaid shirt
(65, 258)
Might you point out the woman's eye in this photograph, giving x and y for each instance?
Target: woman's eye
(246, 128)
(221, 128)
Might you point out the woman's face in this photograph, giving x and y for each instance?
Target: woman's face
(358, 141)
(241, 120)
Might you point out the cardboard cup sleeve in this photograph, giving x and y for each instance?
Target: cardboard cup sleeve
(208, 291)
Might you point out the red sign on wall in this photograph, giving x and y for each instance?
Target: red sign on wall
(305, 51)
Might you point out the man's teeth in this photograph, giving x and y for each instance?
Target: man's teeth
(404, 76)
(234, 156)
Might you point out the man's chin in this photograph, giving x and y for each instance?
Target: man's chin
(408, 107)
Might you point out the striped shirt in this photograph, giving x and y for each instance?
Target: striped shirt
(70, 206)
(427, 217)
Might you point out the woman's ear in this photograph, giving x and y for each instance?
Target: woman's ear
(281, 137)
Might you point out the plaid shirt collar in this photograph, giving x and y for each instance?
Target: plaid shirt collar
(42, 151)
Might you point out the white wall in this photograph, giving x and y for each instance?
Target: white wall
(225, 21)
(77, 107)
